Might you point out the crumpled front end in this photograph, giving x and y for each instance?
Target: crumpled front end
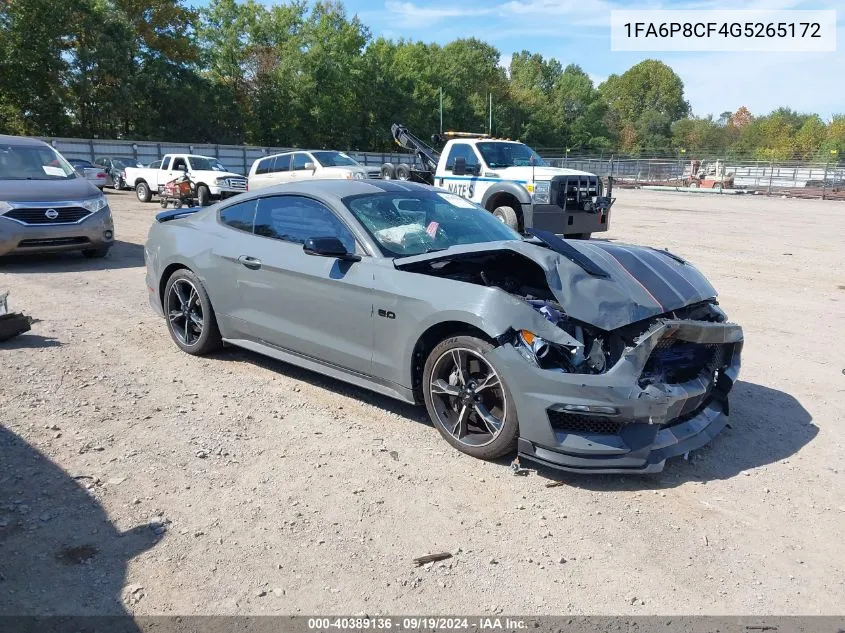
(664, 395)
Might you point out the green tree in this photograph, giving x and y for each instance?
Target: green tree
(645, 100)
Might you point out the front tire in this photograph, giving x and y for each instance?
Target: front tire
(190, 317)
(203, 195)
(143, 193)
(467, 400)
(507, 215)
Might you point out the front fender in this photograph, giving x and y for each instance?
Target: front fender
(491, 310)
(512, 188)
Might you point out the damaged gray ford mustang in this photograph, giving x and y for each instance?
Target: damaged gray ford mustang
(583, 355)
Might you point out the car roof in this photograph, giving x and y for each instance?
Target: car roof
(21, 140)
(342, 188)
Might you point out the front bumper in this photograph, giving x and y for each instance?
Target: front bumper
(224, 192)
(550, 217)
(652, 423)
(90, 233)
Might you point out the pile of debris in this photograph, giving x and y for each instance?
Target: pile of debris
(11, 323)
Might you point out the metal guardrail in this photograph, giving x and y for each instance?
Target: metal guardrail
(775, 178)
(237, 158)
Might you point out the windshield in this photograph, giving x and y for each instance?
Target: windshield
(218, 166)
(498, 154)
(79, 162)
(126, 162)
(198, 163)
(33, 162)
(334, 159)
(415, 222)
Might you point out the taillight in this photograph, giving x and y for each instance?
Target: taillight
(101, 175)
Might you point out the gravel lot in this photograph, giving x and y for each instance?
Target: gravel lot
(133, 476)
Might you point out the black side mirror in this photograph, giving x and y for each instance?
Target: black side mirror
(460, 168)
(329, 247)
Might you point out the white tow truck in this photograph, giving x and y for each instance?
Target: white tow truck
(210, 178)
(510, 180)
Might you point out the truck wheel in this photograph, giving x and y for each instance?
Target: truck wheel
(507, 215)
(388, 171)
(403, 172)
(142, 191)
(578, 236)
(203, 195)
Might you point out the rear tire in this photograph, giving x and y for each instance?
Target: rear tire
(403, 172)
(190, 317)
(485, 437)
(143, 193)
(203, 195)
(507, 215)
(388, 171)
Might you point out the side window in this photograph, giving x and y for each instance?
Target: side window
(179, 163)
(101, 162)
(299, 161)
(264, 166)
(462, 150)
(282, 163)
(295, 219)
(239, 216)
(165, 162)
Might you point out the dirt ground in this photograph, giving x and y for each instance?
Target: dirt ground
(133, 476)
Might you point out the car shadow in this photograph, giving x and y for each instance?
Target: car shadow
(765, 426)
(30, 341)
(60, 553)
(121, 255)
(404, 409)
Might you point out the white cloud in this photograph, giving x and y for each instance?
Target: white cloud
(413, 15)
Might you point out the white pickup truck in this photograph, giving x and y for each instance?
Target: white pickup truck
(510, 180)
(212, 181)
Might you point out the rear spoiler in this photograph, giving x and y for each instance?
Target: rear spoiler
(166, 216)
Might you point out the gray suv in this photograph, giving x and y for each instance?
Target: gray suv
(46, 206)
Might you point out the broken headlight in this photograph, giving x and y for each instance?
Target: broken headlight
(541, 353)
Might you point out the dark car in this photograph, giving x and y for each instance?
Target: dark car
(590, 356)
(45, 205)
(114, 166)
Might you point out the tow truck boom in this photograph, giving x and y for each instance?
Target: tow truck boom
(426, 154)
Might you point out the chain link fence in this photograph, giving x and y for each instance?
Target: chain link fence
(790, 178)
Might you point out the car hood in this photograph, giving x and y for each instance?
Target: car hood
(638, 282)
(536, 173)
(210, 173)
(77, 188)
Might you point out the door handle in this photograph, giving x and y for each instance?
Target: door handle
(250, 262)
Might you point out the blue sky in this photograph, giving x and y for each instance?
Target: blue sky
(578, 31)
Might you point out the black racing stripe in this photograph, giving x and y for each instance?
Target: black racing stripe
(663, 291)
(597, 251)
(670, 272)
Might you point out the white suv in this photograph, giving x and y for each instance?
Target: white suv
(294, 166)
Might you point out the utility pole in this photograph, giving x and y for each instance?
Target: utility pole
(441, 109)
